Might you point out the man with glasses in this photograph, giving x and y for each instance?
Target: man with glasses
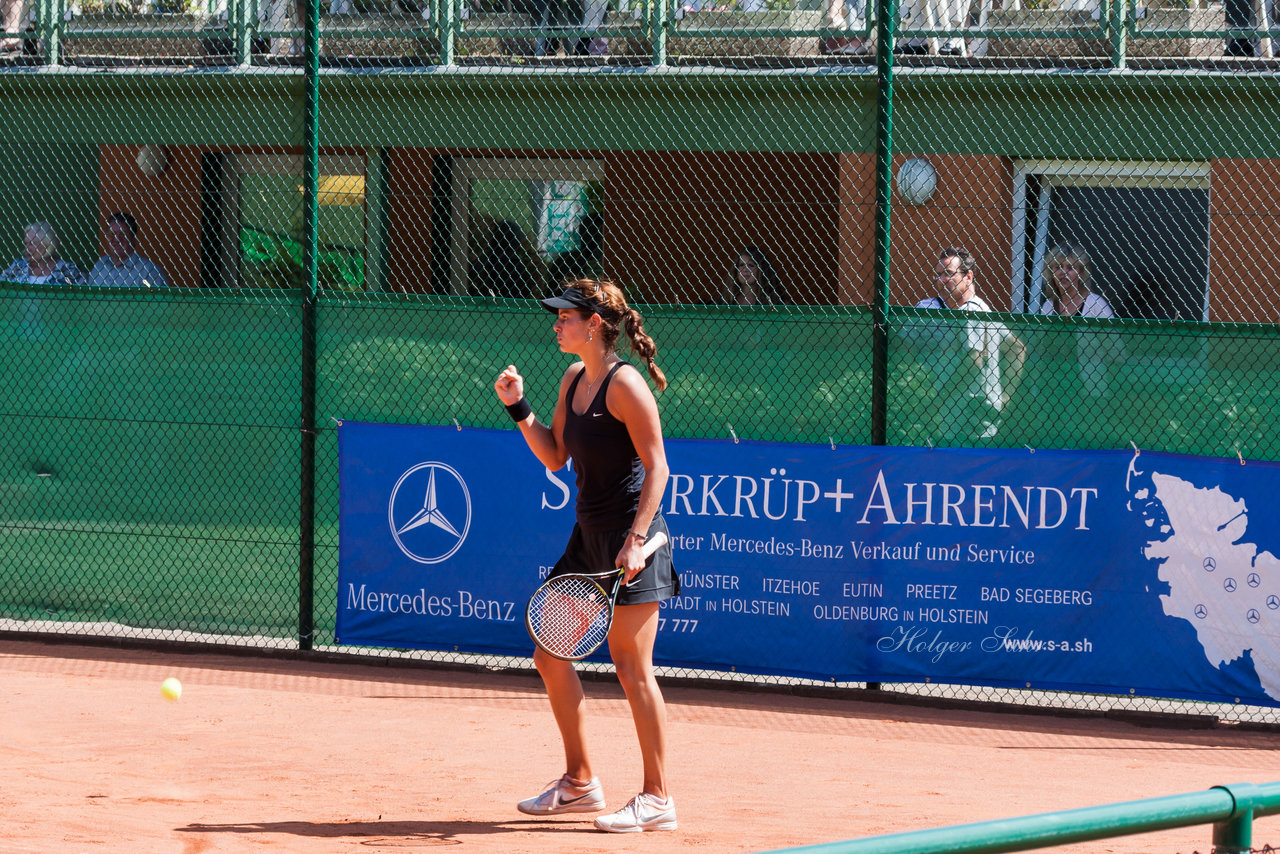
(977, 363)
(122, 265)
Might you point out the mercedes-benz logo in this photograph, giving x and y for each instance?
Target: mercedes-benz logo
(1273, 602)
(1253, 616)
(429, 512)
(1229, 585)
(1201, 611)
(1209, 564)
(1254, 579)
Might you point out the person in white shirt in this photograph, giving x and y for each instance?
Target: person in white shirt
(978, 364)
(122, 266)
(14, 17)
(1068, 292)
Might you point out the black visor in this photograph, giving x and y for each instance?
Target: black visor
(571, 298)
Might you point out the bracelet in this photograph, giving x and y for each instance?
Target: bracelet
(520, 410)
(643, 537)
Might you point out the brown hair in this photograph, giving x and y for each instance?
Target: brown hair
(615, 315)
(1074, 255)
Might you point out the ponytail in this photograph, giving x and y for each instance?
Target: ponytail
(642, 345)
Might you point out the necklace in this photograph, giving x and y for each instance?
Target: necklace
(604, 372)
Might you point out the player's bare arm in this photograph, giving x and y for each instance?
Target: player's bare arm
(632, 403)
(547, 443)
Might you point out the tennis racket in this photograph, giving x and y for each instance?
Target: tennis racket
(569, 615)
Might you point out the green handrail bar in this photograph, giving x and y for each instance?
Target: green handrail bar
(239, 10)
(449, 21)
(1230, 809)
(660, 19)
(1118, 11)
(49, 25)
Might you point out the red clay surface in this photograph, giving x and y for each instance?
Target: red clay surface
(308, 757)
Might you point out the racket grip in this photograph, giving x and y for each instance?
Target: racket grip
(652, 544)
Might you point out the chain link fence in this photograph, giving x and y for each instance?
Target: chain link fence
(347, 216)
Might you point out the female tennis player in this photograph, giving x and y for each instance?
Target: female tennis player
(606, 420)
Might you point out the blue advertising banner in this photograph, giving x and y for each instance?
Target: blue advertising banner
(1103, 571)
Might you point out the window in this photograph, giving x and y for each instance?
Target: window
(520, 227)
(261, 226)
(1145, 227)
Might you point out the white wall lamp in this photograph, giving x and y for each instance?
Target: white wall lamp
(152, 160)
(917, 180)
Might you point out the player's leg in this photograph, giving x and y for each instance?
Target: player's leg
(569, 706)
(631, 644)
(577, 791)
(631, 639)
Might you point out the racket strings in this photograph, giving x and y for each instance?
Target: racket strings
(569, 616)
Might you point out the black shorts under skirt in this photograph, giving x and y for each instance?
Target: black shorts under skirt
(593, 552)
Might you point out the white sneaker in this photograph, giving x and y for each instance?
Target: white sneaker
(565, 796)
(643, 812)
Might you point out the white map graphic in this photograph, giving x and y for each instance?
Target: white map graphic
(1224, 587)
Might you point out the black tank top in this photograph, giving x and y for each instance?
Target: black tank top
(609, 472)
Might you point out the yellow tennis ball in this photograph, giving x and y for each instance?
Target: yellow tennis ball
(171, 689)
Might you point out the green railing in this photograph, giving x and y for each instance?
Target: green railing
(236, 31)
(1230, 809)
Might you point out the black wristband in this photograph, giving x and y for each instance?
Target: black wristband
(520, 410)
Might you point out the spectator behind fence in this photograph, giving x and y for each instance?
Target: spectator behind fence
(586, 260)
(567, 14)
(12, 20)
(40, 264)
(505, 265)
(977, 364)
(845, 15)
(753, 279)
(1068, 275)
(934, 15)
(122, 266)
(1068, 292)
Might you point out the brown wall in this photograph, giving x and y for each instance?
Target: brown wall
(972, 208)
(1243, 197)
(167, 207)
(675, 221)
(855, 240)
(409, 220)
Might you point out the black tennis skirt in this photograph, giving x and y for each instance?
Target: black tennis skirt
(593, 552)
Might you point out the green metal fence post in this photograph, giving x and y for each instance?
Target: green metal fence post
(448, 31)
(659, 13)
(57, 26)
(243, 41)
(50, 27)
(311, 245)
(1235, 835)
(885, 30)
(1119, 31)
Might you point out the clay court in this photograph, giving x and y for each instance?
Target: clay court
(297, 756)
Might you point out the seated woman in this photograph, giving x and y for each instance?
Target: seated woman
(40, 264)
(753, 279)
(1067, 278)
(1076, 365)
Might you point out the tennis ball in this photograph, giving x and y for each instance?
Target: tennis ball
(171, 689)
